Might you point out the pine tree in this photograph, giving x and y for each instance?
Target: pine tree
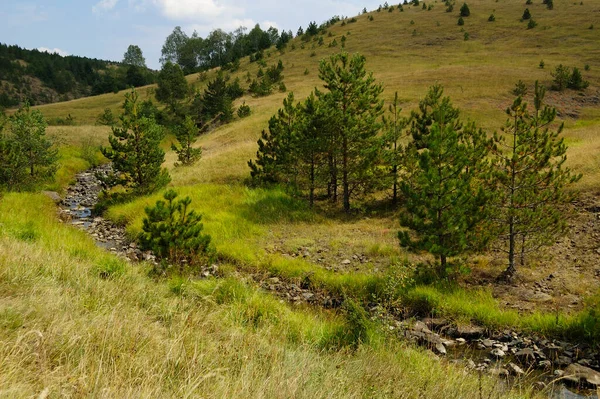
(186, 135)
(464, 10)
(174, 232)
(28, 128)
(311, 145)
(395, 125)
(171, 85)
(352, 102)
(531, 178)
(135, 149)
(444, 198)
(216, 99)
(275, 158)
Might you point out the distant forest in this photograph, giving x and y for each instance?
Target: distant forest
(40, 77)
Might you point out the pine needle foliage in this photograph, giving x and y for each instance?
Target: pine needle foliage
(444, 190)
(531, 179)
(186, 135)
(135, 150)
(174, 232)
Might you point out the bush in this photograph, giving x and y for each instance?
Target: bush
(243, 111)
(549, 4)
(466, 36)
(461, 21)
(491, 18)
(576, 81)
(542, 64)
(174, 233)
(526, 14)
(464, 10)
(520, 89)
(531, 24)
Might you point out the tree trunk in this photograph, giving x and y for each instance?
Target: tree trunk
(311, 197)
(345, 183)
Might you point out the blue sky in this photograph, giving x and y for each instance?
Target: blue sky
(105, 28)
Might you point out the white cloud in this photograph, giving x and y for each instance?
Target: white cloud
(195, 9)
(53, 51)
(104, 6)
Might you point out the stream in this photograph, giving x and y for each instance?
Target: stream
(505, 354)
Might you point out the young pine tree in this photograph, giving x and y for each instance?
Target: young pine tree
(217, 101)
(395, 125)
(531, 180)
(186, 135)
(276, 156)
(28, 129)
(174, 232)
(445, 200)
(135, 149)
(352, 103)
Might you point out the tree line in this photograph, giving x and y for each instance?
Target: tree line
(66, 77)
(459, 189)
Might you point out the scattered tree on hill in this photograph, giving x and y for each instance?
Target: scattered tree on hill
(464, 10)
(565, 78)
(134, 57)
(526, 14)
(549, 4)
(186, 135)
(531, 180)
(172, 86)
(352, 102)
(106, 118)
(444, 195)
(217, 101)
(173, 45)
(174, 233)
(135, 150)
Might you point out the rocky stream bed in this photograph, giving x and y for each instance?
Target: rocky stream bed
(549, 365)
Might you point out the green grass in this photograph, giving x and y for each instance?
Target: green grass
(76, 321)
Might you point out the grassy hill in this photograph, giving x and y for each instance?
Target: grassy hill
(68, 332)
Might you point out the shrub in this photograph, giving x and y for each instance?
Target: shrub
(531, 24)
(461, 21)
(243, 111)
(528, 2)
(549, 4)
(586, 67)
(576, 81)
(464, 10)
(520, 89)
(466, 36)
(542, 64)
(561, 77)
(174, 232)
(491, 18)
(526, 14)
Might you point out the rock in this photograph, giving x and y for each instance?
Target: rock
(577, 373)
(515, 370)
(53, 195)
(346, 262)
(488, 343)
(498, 353)
(499, 372)
(274, 280)
(540, 297)
(308, 295)
(461, 341)
(469, 331)
(471, 364)
(440, 348)
(525, 356)
(562, 361)
(545, 364)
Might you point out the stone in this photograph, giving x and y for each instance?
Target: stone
(53, 195)
(545, 364)
(497, 353)
(488, 343)
(308, 295)
(469, 331)
(577, 373)
(540, 297)
(515, 370)
(562, 361)
(525, 355)
(499, 372)
(346, 262)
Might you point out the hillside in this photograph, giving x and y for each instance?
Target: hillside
(79, 321)
(43, 78)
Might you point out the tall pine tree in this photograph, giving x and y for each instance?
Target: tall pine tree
(445, 201)
(186, 135)
(352, 102)
(531, 180)
(395, 125)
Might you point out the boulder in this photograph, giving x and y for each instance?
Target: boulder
(577, 374)
(469, 331)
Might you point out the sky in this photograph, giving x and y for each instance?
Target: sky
(104, 29)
